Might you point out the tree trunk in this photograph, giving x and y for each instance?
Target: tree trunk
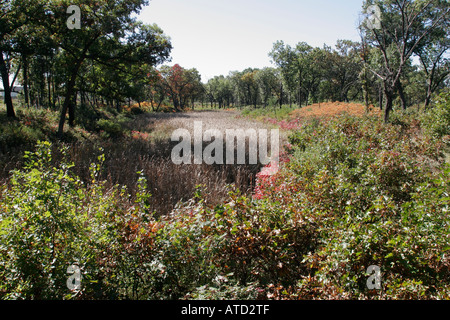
(380, 97)
(25, 80)
(366, 100)
(427, 101)
(388, 106)
(72, 107)
(83, 98)
(402, 95)
(55, 98)
(300, 90)
(49, 90)
(281, 95)
(7, 90)
(429, 93)
(71, 85)
(175, 102)
(68, 98)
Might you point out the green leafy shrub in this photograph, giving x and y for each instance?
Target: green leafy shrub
(39, 227)
(437, 119)
(371, 189)
(251, 244)
(49, 220)
(136, 111)
(13, 134)
(110, 128)
(270, 112)
(224, 289)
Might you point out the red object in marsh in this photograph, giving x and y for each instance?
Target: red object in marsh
(267, 177)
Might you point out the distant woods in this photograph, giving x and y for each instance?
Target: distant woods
(107, 61)
(115, 60)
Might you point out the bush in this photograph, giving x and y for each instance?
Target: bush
(49, 220)
(437, 119)
(110, 128)
(39, 228)
(250, 244)
(379, 194)
(136, 111)
(269, 112)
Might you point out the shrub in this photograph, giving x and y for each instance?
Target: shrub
(251, 244)
(49, 220)
(110, 128)
(379, 195)
(437, 119)
(39, 228)
(136, 111)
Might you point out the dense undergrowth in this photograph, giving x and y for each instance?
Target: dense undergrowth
(354, 193)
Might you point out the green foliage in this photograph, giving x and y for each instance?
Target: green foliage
(380, 196)
(49, 220)
(110, 128)
(39, 224)
(355, 193)
(13, 134)
(224, 289)
(437, 119)
(33, 125)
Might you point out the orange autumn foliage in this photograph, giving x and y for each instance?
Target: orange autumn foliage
(328, 110)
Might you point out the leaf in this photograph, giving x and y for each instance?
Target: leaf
(390, 255)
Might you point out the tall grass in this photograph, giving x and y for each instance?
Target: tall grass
(131, 145)
(167, 182)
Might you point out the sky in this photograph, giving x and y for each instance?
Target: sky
(219, 36)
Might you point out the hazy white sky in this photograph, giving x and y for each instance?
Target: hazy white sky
(219, 36)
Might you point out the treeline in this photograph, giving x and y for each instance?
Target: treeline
(304, 75)
(112, 60)
(402, 58)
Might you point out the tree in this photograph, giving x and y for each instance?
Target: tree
(238, 87)
(268, 84)
(194, 88)
(125, 70)
(251, 91)
(109, 35)
(13, 15)
(278, 88)
(344, 69)
(284, 57)
(301, 67)
(404, 25)
(181, 84)
(35, 54)
(220, 90)
(315, 65)
(434, 59)
(157, 91)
